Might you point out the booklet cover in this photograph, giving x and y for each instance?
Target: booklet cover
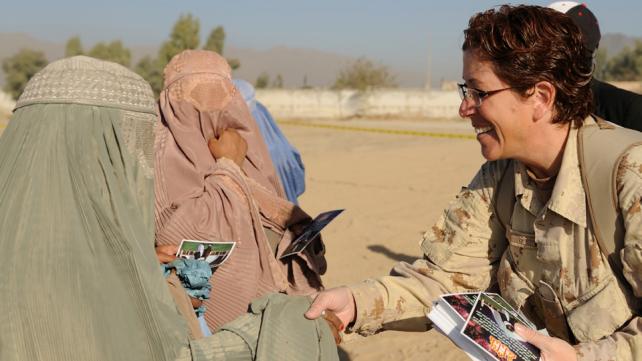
(449, 314)
(461, 303)
(491, 326)
(310, 232)
(482, 325)
(214, 253)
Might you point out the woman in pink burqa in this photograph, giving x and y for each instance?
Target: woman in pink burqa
(215, 182)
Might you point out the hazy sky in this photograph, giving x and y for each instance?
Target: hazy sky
(396, 32)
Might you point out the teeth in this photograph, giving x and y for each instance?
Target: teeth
(481, 130)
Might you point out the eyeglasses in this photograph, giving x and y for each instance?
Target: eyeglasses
(477, 95)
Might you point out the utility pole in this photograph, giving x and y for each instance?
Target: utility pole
(428, 85)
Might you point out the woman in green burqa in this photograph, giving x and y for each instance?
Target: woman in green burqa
(79, 279)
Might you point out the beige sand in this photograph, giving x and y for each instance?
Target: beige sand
(393, 188)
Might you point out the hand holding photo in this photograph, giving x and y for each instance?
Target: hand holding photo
(214, 253)
(310, 232)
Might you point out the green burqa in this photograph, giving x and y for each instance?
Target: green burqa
(78, 278)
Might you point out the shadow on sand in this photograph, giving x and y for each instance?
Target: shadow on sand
(399, 257)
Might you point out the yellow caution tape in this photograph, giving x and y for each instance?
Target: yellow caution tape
(377, 130)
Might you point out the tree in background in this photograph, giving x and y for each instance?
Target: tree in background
(114, 51)
(262, 81)
(625, 66)
(234, 63)
(73, 47)
(364, 75)
(184, 36)
(20, 68)
(601, 62)
(216, 43)
(151, 71)
(278, 82)
(216, 40)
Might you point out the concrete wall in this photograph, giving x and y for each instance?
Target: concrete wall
(385, 103)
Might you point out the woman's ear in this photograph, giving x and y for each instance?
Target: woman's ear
(544, 100)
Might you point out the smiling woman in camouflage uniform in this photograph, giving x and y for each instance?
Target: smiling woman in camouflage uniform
(526, 91)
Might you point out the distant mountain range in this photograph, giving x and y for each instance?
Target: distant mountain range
(295, 65)
(615, 43)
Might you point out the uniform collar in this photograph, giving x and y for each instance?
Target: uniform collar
(568, 198)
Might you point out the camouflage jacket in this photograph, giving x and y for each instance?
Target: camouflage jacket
(547, 263)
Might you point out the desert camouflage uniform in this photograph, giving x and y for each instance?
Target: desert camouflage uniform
(549, 264)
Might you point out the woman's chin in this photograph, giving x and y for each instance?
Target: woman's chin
(490, 147)
(490, 156)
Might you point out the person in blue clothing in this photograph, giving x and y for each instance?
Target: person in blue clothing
(286, 158)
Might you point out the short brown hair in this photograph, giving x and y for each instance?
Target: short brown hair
(529, 44)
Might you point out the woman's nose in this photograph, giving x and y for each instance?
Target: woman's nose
(467, 108)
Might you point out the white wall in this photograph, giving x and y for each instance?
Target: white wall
(385, 103)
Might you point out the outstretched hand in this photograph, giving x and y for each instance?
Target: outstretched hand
(338, 300)
(551, 348)
(230, 144)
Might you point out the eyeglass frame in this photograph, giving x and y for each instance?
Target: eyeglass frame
(464, 90)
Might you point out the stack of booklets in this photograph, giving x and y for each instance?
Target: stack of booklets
(482, 325)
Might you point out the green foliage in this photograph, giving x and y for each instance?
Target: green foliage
(152, 72)
(216, 40)
(625, 66)
(184, 35)
(262, 81)
(234, 63)
(216, 43)
(20, 68)
(114, 51)
(73, 47)
(278, 82)
(364, 75)
(601, 62)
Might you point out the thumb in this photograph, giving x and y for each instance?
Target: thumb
(316, 308)
(531, 336)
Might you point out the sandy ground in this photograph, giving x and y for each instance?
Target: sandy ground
(393, 188)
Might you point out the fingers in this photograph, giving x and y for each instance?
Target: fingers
(531, 336)
(230, 144)
(317, 307)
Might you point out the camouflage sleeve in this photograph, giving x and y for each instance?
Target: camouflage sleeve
(461, 252)
(626, 343)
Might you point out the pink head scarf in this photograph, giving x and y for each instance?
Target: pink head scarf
(198, 197)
